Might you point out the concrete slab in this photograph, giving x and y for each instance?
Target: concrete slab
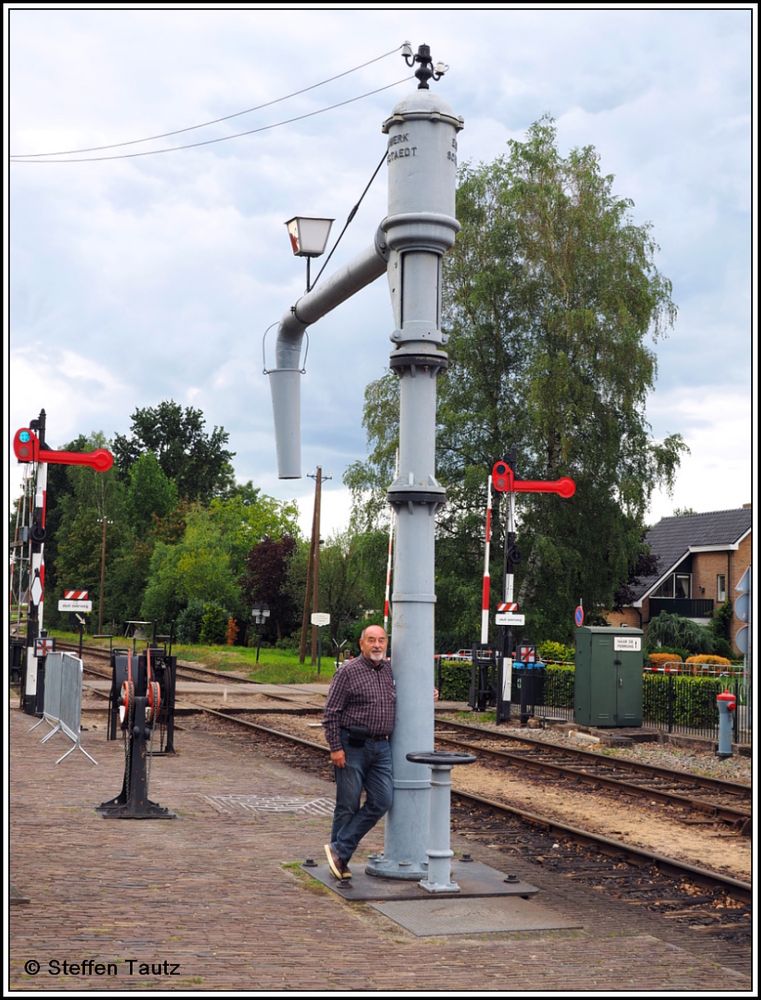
(435, 916)
(473, 878)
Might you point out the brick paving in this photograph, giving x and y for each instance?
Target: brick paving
(215, 901)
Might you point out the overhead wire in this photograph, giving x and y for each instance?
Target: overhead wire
(224, 138)
(213, 121)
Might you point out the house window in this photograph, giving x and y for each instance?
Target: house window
(666, 589)
(721, 588)
(683, 585)
(677, 585)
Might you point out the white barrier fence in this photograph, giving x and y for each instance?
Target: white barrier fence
(63, 700)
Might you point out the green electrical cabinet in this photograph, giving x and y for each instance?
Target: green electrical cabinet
(608, 685)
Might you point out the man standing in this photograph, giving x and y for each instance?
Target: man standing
(359, 721)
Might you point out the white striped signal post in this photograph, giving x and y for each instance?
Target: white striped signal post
(504, 480)
(29, 447)
(486, 589)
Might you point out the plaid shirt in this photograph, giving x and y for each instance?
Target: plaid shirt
(361, 694)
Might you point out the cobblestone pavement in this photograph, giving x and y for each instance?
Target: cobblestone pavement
(215, 900)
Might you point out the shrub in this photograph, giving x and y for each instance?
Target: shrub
(231, 632)
(709, 658)
(673, 630)
(721, 623)
(213, 624)
(189, 622)
(694, 699)
(723, 648)
(659, 659)
(558, 651)
(455, 681)
(676, 652)
(559, 684)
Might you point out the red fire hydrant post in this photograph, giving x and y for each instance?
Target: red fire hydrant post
(727, 704)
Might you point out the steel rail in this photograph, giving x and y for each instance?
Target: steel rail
(672, 866)
(590, 755)
(727, 813)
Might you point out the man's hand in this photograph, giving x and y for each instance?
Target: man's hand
(338, 757)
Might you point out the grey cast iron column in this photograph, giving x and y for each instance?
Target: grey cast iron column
(419, 228)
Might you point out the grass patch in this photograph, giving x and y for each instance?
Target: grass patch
(275, 666)
(308, 882)
(478, 717)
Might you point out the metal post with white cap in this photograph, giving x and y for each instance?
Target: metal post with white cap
(419, 228)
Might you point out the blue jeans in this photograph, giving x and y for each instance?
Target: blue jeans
(368, 768)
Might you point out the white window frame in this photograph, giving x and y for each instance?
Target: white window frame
(688, 578)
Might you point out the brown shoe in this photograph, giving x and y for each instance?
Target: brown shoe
(336, 865)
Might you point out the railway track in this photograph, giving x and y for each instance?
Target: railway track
(729, 802)
(705, 902)
(185, 672)
(699, 798)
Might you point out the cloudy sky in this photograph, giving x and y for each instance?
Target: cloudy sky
(139, 278)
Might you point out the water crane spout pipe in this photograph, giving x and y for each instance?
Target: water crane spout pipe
(285, 385)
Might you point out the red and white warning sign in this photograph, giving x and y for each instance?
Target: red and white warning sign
(75, 600)
(507, 606)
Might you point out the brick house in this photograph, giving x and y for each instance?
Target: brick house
(701, 558)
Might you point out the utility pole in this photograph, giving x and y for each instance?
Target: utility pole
(312, 588)
(102, 573)
(316, 559)
(307, 591)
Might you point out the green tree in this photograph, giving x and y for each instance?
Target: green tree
(92, 498)
(150, 493)
(340, 574)
(247, 516)
(198, 463)
(163, 598)
(551, 296)
(208, 562)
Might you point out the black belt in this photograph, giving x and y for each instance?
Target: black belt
(379, 737)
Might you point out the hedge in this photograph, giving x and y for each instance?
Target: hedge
(694, 699)
(559, 683)
(455, 681)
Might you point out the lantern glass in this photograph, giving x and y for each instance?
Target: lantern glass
(309, 236)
